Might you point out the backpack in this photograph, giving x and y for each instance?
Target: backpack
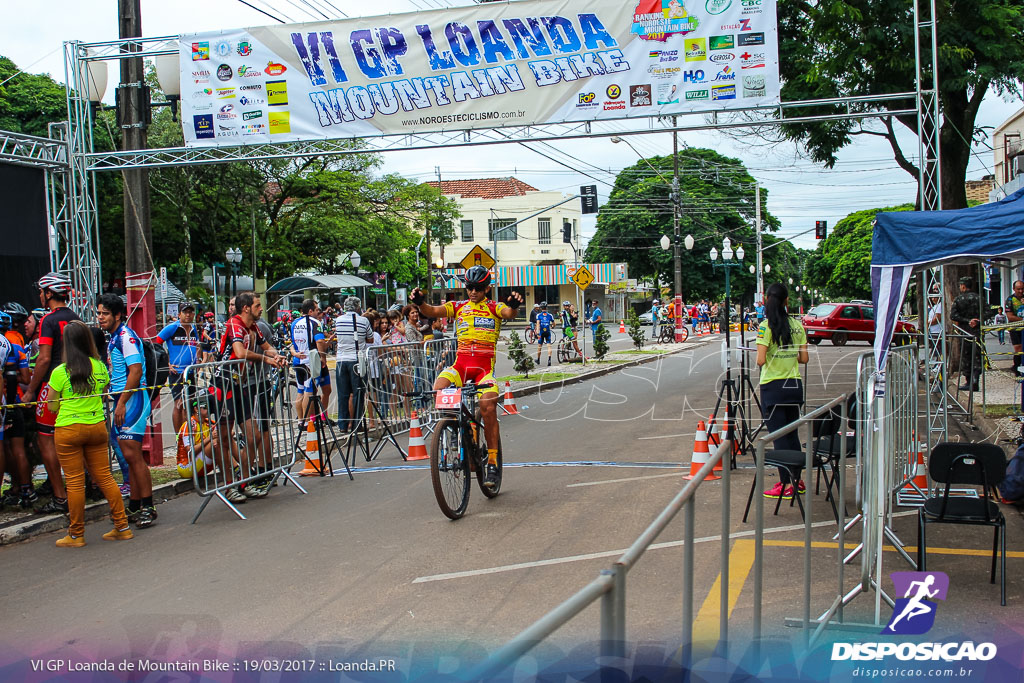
(157, 367)
(1012, 488)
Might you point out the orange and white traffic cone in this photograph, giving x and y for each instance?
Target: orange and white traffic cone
(622, 327)
(417, 449)
(920, 474)
(700, 454)
(509, 405)
(314, 467)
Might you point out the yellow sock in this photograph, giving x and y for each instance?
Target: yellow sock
(492, 456)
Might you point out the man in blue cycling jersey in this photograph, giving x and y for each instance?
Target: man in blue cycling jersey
(544, 322)
(182, 339)
(131, 404)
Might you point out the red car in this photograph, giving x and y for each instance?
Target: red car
(843, 322)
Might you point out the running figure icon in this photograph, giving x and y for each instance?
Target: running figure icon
(914, 613)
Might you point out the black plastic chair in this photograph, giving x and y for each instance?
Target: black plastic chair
(971, 464)
(824, 431)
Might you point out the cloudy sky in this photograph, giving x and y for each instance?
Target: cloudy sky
(800, 192)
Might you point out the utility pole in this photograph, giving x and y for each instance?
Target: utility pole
(678, 301)
(757, 225)
(133, 103)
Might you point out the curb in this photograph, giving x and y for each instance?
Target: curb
(594, 374)
(36, 526)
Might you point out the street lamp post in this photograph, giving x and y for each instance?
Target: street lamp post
(234, 257)
(728, 263)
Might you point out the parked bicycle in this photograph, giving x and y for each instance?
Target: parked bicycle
(667, 334)
(459, 448)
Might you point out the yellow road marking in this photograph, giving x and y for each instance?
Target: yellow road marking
(888, 548)
(741, 561)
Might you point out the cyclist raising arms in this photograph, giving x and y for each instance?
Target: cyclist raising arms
(477, 326)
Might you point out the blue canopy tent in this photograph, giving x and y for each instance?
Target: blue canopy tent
(908, 241)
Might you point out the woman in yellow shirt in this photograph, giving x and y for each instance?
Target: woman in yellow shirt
(781, 349)
(81, 437)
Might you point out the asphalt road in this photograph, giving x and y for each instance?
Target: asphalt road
(371, 567)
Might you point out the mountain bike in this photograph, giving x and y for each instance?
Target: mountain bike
(566, 351)
(531, 335)
(459, 448)
(667, 334)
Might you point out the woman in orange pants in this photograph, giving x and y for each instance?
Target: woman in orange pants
(81, 433)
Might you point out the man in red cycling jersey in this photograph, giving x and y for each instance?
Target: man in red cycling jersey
(477, 326)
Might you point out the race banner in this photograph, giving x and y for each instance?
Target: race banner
(483, 66)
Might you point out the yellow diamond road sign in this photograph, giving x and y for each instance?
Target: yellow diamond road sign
(477, 257)
(582, 277)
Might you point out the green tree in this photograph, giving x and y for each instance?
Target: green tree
(29, 102)
(837, 48)
(522, 362)
(636, 332)
(717, 200)
(842, 263)
(601, 341)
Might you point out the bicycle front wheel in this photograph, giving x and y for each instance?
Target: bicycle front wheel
(531, 336)
(684, 335)
(449, 469)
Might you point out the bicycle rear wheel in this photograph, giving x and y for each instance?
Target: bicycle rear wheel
(531, 335)
(489, 493)
(449, 470)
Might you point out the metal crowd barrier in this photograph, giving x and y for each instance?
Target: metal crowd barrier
(393, 372)
(241, 427)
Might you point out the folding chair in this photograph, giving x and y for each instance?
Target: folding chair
(824, 427)
(973, 464)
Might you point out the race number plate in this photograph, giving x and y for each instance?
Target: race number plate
(448, 399)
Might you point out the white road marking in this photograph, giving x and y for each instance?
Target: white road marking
(606, 553)
(664, 436)
(617, 481)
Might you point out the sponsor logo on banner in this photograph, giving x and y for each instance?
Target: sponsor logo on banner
(662, 20)
(913, 615)
(279, 122)
(250, 115)
(200, 76)
(203, 107)
(640, 95)
(613, 92)
(224, 73)
(663, 71)
(751, 6)
(743, 25)
(275, 69)
(200, 53)
(751, 39)
(225, 132)
(205, 92)
(227, 112)
(277, 93)
(203, 125)
(249, 72)
(726, 42)
(251, 86)
(246, 101)
(669, 56)
(225, 93)
(723, 92)
(726, 74)
(695, 76)
(612, 106)
(717, 6)
(752, 60)
(753, 85)
(654, 54)
(696, 95)
(667, 93)
(245, 48)
(587, 100)
(254, 129)
(696, 49)
(722, 57)
(222, 48)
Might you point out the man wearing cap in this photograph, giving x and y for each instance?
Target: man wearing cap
(182, 339)
(964, 312)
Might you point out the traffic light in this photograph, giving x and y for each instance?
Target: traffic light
(820, 229)
(567, 232)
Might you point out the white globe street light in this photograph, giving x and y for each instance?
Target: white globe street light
(751, 269)
(355, 259)
(688, 242)
(666, 243)
(767, 268)
(714, 254)
(739, 253)
(727, 253)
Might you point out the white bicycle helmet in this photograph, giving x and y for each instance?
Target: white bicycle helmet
(55, 282)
